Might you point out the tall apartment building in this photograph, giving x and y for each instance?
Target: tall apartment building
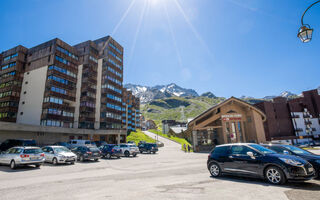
(131, 111)
(76, 90)
(12, 66)
(296, 120)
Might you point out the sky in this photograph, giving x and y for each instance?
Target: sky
(228, 47)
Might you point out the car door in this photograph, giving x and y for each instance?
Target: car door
(9, 155)
(241, 163)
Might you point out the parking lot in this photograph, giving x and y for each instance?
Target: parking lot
(169, 174)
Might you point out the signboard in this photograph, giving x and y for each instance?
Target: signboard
(231, 117)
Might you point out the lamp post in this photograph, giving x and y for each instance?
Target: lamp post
(305, 31)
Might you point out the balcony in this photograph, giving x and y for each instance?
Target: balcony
(308, 123)
(299, 130)
(306, 116)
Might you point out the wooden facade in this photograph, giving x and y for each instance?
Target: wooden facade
(232, 121)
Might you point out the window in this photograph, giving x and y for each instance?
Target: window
(64, 71)
(9, 65)
(66, 52)
(58, 90)
(240, 150)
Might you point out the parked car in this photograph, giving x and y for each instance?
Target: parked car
(87, 153)
(129, 149)
(110, 150)
(131, 142)
(296, 151)
(148, 147)
(58, 154)
(78, 143)
(100, 143)
(7, 144)
(18, 156)
(64, 144)
(246, 159)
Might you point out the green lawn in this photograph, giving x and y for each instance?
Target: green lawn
(139, 136)
(176, 139)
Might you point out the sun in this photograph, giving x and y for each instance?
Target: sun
(154, 2)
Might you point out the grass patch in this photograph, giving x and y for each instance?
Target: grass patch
(181, 141)
(138, 136)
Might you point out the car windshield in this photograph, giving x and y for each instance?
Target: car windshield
(131, 145)
(261, 148)
(32, 151)
(61, 149)
(297, 150)
(94, 149)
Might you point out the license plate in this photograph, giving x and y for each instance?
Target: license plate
(310, 169)
(33, 158)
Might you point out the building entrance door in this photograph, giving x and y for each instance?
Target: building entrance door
(234, 131)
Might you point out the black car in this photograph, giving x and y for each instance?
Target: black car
(87, 153)
(148, 147)
(7, 144)
(254, 160)
(296, 151)
(100, 143)
(110, 150)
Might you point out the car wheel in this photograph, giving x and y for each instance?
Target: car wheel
(72, 163)
(81, 158)
(38, 166)
(54, 161)
(134, 155)
(215, 170)
(154, 152)
(96, 160)
(13, 164)
(108, 156)
(141, 151)
(126, 154)
(275, 175)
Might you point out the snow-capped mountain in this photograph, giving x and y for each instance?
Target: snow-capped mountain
(147, 94)
(176, 90)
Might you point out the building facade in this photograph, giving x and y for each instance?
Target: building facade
(295, 120)
(77, 89)
(231, 121)
(131, 111)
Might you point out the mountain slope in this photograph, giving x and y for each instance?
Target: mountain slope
(178, 108)
(147, 94)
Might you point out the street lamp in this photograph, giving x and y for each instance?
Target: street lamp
(305, 31)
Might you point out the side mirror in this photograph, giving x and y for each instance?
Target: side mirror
(250, 154)
(286, 152)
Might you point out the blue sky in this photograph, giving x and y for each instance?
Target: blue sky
(228, 47)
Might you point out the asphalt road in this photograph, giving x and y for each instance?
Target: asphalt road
(170, 174)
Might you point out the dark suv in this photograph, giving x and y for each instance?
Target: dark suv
(254, 160)
(110, 150)
(148, 147)
(296, 151)
(7, 144)
(87, 153)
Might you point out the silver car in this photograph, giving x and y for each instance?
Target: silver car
(17, 156)
(129, 149)
(58, 154)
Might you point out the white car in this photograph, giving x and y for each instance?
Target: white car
(129, 149)
(17, 156)
(58, 154)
